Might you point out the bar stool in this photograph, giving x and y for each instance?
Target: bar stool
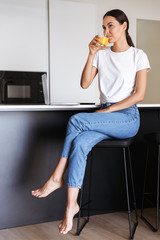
(124, 144)
(152, 139)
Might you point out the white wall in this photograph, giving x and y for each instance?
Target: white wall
(72, 26)
(148, 39)
(24, 35)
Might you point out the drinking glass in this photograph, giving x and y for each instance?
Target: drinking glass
(103, 41)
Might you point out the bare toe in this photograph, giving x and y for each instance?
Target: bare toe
(35, 192)
(67, 221)
(61, 228)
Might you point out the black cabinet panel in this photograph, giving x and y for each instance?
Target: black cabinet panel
(30, 146)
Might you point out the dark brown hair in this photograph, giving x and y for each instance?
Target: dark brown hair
(121, 18)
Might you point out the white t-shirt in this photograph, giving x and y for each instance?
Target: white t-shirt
(117, 72)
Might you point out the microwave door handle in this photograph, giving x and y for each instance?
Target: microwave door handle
(4, 90)
(2, 73)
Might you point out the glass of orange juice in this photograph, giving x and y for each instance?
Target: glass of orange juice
(103, 41)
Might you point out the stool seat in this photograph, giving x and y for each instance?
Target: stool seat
(117, 143)
(152, 137)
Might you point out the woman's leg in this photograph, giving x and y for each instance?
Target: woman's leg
(118, 125)
(81, 146)
(71, 209)
(55, 181)
(95, 128)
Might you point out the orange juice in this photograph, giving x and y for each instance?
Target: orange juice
(103, 41)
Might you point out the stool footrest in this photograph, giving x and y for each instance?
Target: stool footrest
(149, 224)
(80, 229)
(134, 229)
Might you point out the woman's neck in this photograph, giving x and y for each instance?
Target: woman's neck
(120, 47)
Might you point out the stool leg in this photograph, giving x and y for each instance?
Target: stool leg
(144, 186)
(128, 201)
(134, 195)
(157, 217)
(155, 229)
(88, 203)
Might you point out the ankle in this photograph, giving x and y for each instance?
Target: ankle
(57, 179)
(71, 204)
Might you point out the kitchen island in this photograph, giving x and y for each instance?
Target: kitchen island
(31, 141)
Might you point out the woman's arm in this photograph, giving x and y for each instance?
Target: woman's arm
(137, 96)
(89, 71)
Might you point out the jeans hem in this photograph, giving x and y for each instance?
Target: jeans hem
(64, 156)
(73, 185)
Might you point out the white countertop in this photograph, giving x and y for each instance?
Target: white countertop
(7, 107)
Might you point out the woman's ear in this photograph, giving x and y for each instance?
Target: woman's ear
(125, 26)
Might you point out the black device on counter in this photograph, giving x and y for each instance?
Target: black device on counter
(21, 87)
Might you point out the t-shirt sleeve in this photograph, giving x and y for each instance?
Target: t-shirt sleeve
(142, 62)
(95, 61)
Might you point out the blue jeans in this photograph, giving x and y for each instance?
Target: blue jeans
(85, 130)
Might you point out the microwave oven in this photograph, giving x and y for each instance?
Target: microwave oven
(21, 87)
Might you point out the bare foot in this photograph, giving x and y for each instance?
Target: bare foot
(50, 186)
(67, 222)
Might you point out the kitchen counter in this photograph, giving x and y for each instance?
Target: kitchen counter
(61, 107)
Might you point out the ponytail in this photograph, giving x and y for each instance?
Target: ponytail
(129, 39)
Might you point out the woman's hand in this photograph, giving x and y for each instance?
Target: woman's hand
(105, 110)
(94, 46)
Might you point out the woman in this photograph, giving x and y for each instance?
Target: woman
(122, 72)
